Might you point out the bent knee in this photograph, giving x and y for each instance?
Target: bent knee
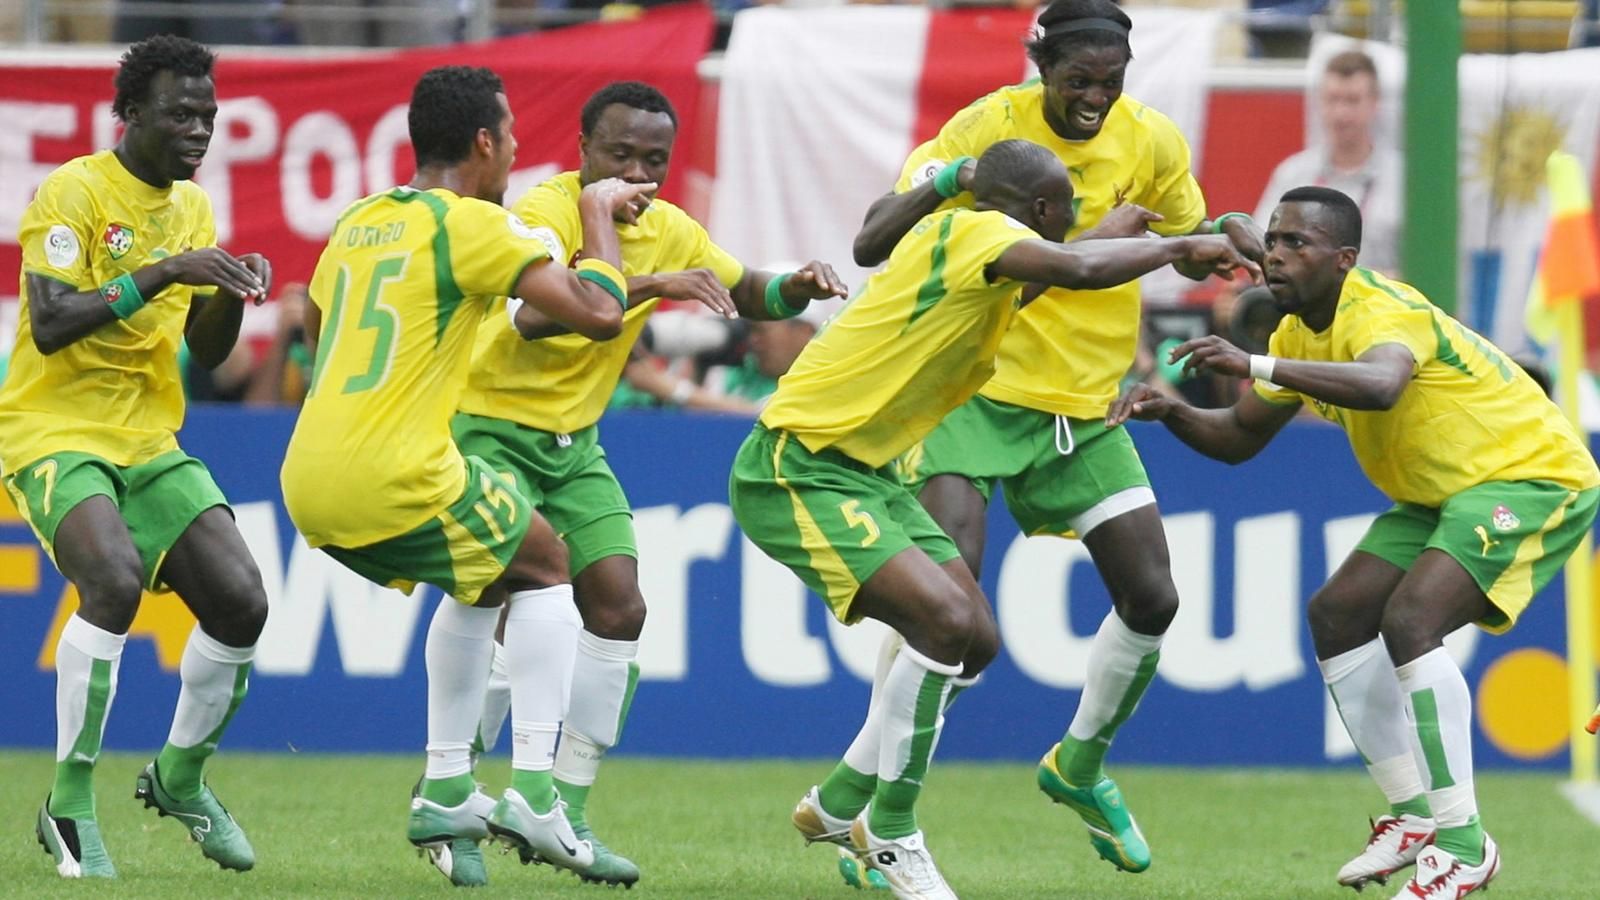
(615, 616)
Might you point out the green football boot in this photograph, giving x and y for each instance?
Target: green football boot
(209, 825)
(609, 867)
(858, 874)
(448, 836)
(1112, 830)
(75, 844)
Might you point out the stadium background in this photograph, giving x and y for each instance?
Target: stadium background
(732, 645)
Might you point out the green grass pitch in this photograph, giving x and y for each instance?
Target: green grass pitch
(334, 826)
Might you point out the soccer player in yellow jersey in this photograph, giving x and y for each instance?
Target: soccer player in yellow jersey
(373, 477)
(119, 267)
(812, 486)
(530, 410)
(1493, 490)
(1038, 426)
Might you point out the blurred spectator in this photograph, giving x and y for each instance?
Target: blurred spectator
(284, 373)
(383, 23)
(256, 22)
(1352, 160)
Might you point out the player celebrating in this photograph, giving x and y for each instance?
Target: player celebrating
(1037, 426)
(373, 477)
(812, 486)
(120, 266)
(1493, 490)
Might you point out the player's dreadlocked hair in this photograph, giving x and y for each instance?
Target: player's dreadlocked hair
(1068, 25)
(161, 53)
(448, 106)
(1345, 214)
(634, 94)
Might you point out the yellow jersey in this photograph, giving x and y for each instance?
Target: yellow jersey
(116, 392)
(916, 342)
(562, 384)
(1067, 355)
(1469, 415)
(403, 284)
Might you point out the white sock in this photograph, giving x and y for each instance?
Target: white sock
(603, 676)
(1367, 694)
(80, 647)
(902, 690)
(1117, 658)
(541, 646)
(1439, 709)
(211, 672)
(862, 754)
(496, 701)
(459, 650)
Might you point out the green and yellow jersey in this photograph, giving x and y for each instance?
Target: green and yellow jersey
(562, 384)
(916, 342)
(115, 392)
(1470, 415)
(1067, 355)
(403, 285)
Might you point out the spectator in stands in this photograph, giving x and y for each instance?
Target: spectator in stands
(249, 22)
(1351, 159)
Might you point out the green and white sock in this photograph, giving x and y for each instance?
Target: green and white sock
(1366, 692)
(1122, 663)
(1439, 707)
(604, 677)
(87, 658)
(848, 788)
(913, 703)
(458, 653)
(215, 679)
(541, 644)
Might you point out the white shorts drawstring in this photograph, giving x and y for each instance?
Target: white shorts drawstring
(1063, 427)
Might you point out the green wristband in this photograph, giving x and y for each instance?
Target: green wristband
(609, 284)
(947, 181)
(1216, 224)
(777, 307)
(122, 295)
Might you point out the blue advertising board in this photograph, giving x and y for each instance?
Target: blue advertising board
(738, 661)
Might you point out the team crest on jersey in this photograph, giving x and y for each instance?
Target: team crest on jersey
(1504, 519)
(119, 240)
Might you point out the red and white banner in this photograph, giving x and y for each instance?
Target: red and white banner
(298, 139)
(820, 107)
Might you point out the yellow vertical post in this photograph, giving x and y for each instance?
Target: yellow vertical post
(1580, 599)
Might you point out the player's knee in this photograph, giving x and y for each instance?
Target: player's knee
(1148, 604)
(1408, 631)
(243, 608)
(110, 591)
(983, 648)
(616, 616)
(948, 623)
(538, 564)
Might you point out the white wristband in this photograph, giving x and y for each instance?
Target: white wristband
(1261, 366)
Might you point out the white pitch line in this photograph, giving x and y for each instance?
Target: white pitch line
(1585, 798)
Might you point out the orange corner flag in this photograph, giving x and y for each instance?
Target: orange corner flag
(1569, 266)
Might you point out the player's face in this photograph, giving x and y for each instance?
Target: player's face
(170, 130)
(776, 345)
(1349, 107)
(630, 144)
(502, 154)
(1305, 266)
(1053, 209)
(1080, 90)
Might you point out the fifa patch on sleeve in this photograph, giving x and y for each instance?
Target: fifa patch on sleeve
(61, 246)
(926, 171)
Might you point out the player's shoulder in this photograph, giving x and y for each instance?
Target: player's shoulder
(1139, 116)
(80, 177)
(988, 221)
(561, 189)
(1368, 292)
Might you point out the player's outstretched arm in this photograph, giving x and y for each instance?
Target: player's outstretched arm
(213, 326)
(756, 297)
(892, 215)
(1374, 381)
(1242, 230)
(1091, 265)
(1231, 435)
(61, 314)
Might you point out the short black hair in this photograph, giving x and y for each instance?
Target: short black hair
(1345, 214)
(160, 53)
(1047, 49)
(1011, 166)
(448, 106)
(635, 94)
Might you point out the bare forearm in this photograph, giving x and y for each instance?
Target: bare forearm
(214, 330)
(1087, 265)
(60, 316)
(888, 220)
(1213, 432)
(600, 233)
(1351, 385)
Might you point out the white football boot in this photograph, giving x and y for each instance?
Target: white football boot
(1393, 845)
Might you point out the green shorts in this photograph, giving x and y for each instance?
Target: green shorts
(1512, 537)
(158, 499)
(1061, 476)
(832, 520)
(565, 477)
(463, 549)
